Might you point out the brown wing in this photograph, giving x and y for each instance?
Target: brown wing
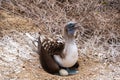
(53, 47)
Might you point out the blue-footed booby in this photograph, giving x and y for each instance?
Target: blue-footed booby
(56, 54)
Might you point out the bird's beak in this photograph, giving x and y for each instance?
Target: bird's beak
(76, 26)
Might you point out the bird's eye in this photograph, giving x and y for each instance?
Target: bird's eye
(71, 25)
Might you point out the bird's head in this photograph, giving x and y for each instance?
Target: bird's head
(70, 28)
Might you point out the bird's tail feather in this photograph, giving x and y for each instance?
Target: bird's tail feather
(39, 45)
(41, 38)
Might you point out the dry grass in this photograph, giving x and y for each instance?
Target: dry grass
(99, 33)
(99, 20)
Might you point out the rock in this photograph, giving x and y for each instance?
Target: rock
(63, 72)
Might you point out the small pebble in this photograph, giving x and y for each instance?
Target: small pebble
(63, 72)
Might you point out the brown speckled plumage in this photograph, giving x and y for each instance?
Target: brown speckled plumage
(49, 48)
(53, 47)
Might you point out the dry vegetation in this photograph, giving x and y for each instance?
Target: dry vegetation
(98, 37)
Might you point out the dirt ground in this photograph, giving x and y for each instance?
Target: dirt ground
(19, 59)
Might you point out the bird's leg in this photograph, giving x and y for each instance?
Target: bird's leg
(72, 71)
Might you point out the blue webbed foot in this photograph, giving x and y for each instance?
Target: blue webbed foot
(72, 71)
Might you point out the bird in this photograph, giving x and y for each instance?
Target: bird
(57, 54)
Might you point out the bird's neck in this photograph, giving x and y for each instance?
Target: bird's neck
(69, 38)
(70, 46)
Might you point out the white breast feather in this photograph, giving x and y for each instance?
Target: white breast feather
(71, 53)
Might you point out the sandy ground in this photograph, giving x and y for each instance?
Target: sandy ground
(19, 59)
